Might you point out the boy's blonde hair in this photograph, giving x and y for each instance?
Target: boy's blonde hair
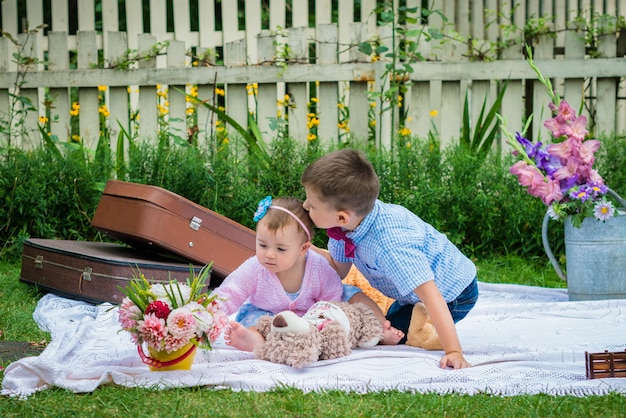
(275, 219)
(345, 179)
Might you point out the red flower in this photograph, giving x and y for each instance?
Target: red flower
(159, 309)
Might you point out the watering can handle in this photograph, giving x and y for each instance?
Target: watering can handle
(546, 244)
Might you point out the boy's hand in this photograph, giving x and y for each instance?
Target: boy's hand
(455, 360)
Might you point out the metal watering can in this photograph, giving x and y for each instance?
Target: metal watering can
(595, 256)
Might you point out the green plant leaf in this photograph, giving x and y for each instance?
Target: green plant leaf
(49, 143)
(253, 138)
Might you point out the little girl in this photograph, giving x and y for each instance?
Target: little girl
(284, 274)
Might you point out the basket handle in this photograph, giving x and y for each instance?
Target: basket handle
(546, 244)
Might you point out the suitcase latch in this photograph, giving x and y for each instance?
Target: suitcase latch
(86, 274)
(39, 262)
(195, 223)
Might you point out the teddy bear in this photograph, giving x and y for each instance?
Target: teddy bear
(326, 331)
(421, 331)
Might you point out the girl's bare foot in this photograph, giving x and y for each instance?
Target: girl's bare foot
(242, 338)
(391, 335)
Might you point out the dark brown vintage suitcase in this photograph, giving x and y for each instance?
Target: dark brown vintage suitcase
(92, 271)
(150, 216)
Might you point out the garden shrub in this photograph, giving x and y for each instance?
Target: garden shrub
(475, 201)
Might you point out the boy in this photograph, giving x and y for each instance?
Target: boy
(399, 254)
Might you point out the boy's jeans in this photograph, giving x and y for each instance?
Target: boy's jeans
(400, 316)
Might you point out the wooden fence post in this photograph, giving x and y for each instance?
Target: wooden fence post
(117, 103)
(59, 60)
(298, 45)
(147, 101)
(327, 91)
(88, 96)
(606, 89)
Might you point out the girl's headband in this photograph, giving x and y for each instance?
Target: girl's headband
(266, 204)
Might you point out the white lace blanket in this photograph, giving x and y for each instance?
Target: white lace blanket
(520, 340)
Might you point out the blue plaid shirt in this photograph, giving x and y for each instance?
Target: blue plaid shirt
(397, 252)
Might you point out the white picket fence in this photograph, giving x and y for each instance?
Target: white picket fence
(338, 75)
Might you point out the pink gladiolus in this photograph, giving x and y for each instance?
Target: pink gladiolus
(554, 126)
(565, 113)
(549, 192)
(563, 150)
(527, 174)
(576, 129)
(587, 151)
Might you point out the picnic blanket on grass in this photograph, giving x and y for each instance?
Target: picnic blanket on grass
(519, 339)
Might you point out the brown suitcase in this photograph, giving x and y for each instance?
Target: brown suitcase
(150, 216)
(92, 271)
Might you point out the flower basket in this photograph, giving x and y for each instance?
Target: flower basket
(171, 319)
(161, 360)
(595, 256)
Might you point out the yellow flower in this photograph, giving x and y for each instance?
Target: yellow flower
(372, 104)
(104, 111)
(433, 113)
(102, 88)
(373, 122)
(225, 141)
(195, 63)
(375, 58)
(313, 122)
(43, 119)
(76, 138)
(219, 129)
(190, 110)
(221, 108)
(311, 137)
(219, 91)
(315, 99)
(409, 119)
(405, 131)
(287, 97)
(317, 83)
(75, 109)
(193, 91)
(341, 105)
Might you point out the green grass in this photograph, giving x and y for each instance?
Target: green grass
(16, 323)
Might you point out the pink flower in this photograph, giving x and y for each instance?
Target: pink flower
(565, 113)
(576, 129)
(152, 329)
(172, 343)
(129, 314)
(564, 149)
(550, 192)
(181, 323)
(554, 126)
(220, 322)
(527, 174)
(587, 151)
